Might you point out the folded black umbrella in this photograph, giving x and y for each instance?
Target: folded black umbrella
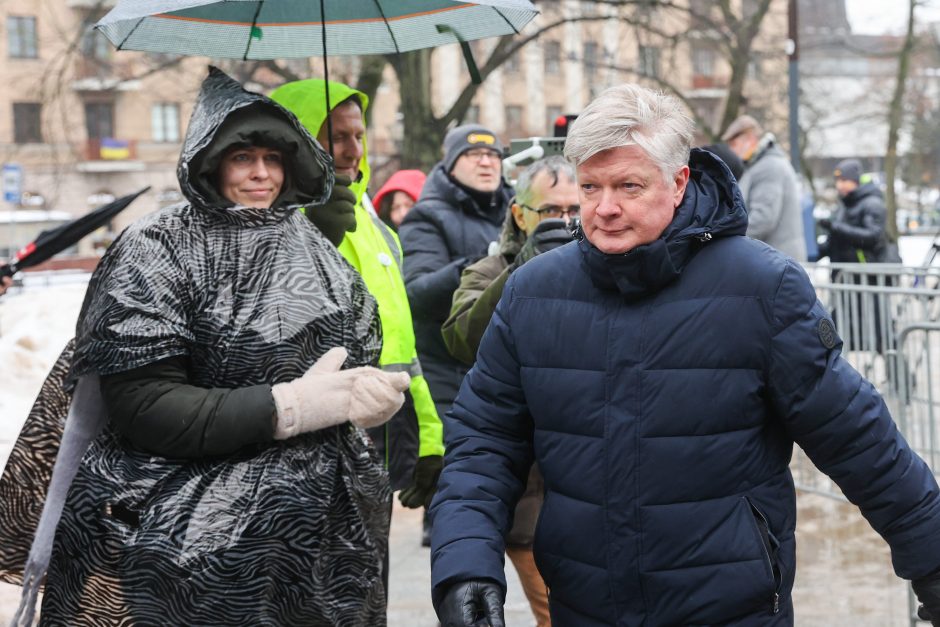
(54, 241)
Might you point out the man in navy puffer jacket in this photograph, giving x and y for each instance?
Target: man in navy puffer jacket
(660, 370)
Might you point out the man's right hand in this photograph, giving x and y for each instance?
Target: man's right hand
(474, 603)
(927, 590)
(549, 234)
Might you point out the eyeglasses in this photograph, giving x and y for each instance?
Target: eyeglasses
(477, 155)
(553, 211)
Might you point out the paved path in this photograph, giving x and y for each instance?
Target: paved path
(410, 586)
(410, 599)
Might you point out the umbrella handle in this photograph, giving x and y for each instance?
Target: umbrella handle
(8, 269)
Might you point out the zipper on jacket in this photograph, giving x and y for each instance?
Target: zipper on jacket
(704, 237)
(764, 528)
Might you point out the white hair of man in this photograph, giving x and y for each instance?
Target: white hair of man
(631, 115)
(553, 166)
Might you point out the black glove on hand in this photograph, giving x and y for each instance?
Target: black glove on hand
(424, 484)
(474, 603)
(549, 234)
(825, 224)
(927, 590)
(338, 214)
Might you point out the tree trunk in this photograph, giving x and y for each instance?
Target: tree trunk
(370, 77)
(894, 124)
(423, 133)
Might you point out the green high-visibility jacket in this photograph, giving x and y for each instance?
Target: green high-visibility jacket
(374, 250)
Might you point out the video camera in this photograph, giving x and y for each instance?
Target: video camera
(524, 151)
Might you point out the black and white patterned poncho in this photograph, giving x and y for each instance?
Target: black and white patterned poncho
(285, 533)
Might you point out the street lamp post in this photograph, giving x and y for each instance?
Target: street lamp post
(793, 52)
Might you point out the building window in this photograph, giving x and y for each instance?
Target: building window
(514, 118)
(94, 44)
(512, 63)
(590, 58)
(703, 61)
(21, 37)
(700, 14)
(99, 119)
(165, 121)
(754, 71)
(552, 52)
(648, 61)
(26, 122)
(551, 114)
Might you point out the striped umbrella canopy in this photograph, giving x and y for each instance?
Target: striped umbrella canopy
(279, 29)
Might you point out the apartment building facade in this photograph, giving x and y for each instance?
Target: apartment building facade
(84, 123)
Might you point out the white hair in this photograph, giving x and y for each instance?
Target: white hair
(631, 115)
(554, 166)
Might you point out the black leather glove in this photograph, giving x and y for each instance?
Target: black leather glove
(338, 214)
(474, 603)
(424, 483)
(549, 234)
(927, 590)
(825, 224)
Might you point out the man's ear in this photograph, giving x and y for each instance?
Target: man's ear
(681, 179)
(518, 211)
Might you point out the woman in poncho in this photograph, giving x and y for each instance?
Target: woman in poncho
(231, 482)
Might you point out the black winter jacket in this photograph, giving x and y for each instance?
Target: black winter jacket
(444, 232)
(858, 228)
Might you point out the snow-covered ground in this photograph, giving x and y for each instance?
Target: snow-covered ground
(35, 324)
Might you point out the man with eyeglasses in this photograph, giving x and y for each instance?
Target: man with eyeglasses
(453, 224)
(537, 221)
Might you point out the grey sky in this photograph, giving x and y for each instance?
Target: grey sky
(878, 16)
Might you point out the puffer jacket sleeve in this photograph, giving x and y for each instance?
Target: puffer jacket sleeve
(474, 302)
(475, 499)
(842, 423)
(431, 275)
(870, 232)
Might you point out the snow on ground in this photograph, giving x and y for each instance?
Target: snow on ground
(35, 324)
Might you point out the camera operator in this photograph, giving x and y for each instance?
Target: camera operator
(537, 221)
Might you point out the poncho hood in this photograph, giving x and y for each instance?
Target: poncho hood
(226, 115)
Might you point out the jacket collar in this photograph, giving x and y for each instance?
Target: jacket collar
(711, 208)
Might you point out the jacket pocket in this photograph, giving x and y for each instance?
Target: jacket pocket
(771, 547)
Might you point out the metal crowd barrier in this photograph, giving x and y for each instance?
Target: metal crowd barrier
(889, 319)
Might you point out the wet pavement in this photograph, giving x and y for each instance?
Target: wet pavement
(844, 575)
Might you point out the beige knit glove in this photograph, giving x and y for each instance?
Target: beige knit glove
(325, 396)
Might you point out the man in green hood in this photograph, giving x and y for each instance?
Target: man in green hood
(412, 442)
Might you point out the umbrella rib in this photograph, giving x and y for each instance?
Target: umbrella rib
(131, 33)
(505, 19)
(378, 5)
(254, 21)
